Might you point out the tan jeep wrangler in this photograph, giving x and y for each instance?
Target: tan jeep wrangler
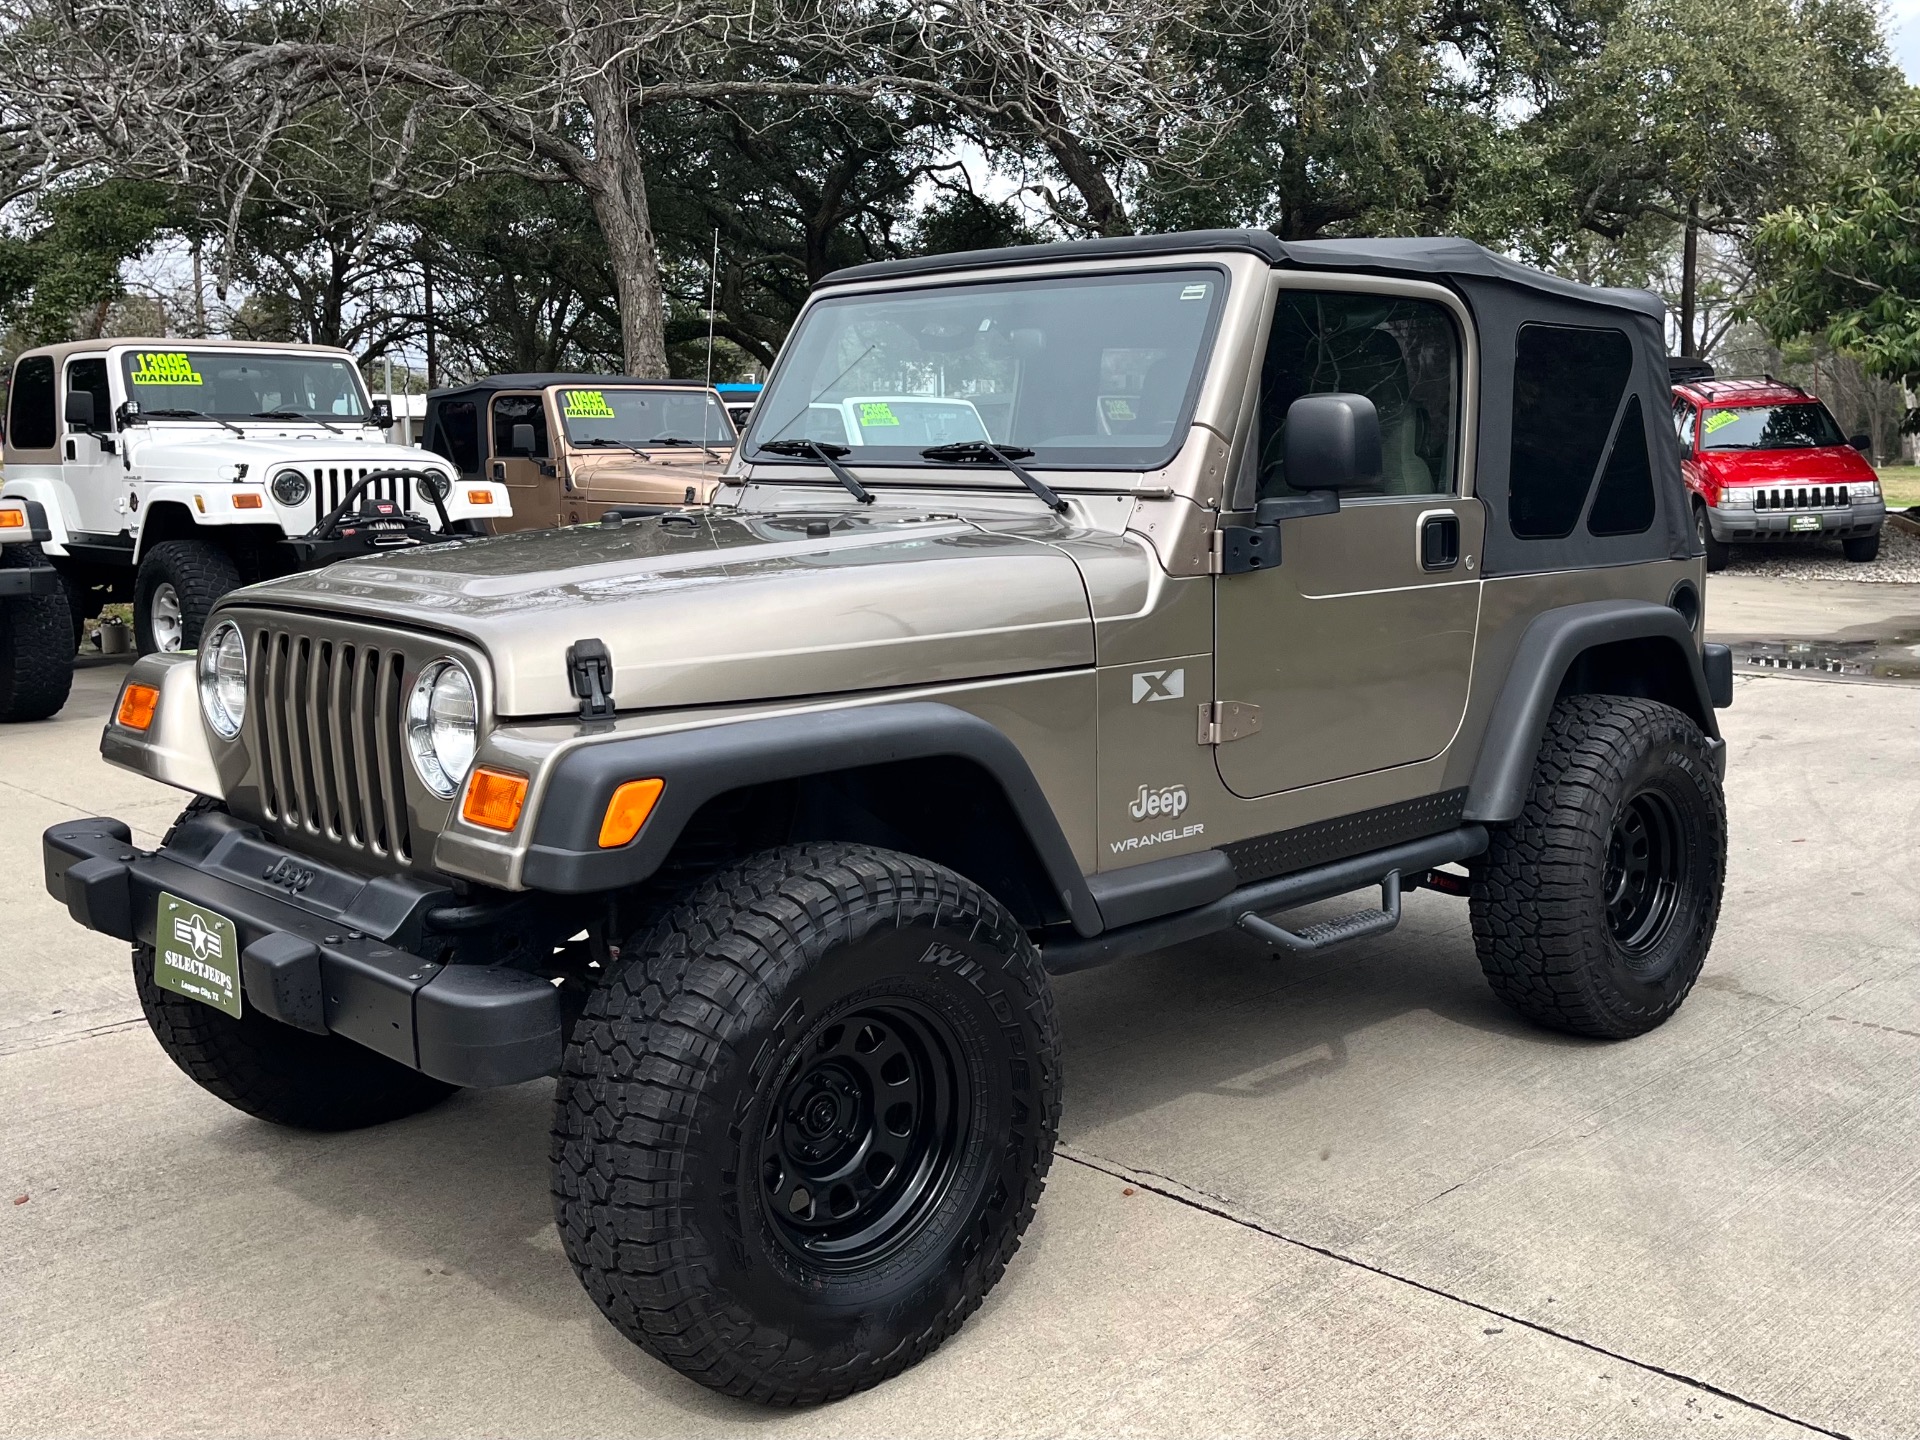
(569, 447)
(1060, 605)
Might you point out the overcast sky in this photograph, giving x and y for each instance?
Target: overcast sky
(1903, 33)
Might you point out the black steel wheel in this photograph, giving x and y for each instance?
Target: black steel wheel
(1593, 911)
(804, 1121)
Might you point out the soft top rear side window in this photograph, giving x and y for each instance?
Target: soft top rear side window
(30, 422)
(1624, 503)
(1567, 386)
(456, 435)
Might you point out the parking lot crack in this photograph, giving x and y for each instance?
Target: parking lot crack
(1223, 1208)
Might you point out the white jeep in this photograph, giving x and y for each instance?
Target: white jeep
(171, 471)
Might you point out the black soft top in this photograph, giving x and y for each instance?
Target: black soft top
(1423, 257)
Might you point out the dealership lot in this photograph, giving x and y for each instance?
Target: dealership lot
(1349, 1195)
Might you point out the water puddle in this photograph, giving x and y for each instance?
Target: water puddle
(1894, 657)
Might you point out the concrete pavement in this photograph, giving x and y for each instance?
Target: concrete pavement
(1365, 1199)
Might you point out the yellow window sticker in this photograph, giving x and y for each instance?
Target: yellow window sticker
(1720, 419)
(164, 367)
(875, 413)
(586, 405)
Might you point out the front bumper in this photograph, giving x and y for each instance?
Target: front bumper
(39, 580)
(1848, 522)
(322, 949)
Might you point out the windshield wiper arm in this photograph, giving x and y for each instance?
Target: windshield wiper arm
(296, 415)
(705, 449)
(828, 455)
(175, 413)
(983, 452)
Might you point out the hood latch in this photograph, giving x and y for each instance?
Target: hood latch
(590, 676)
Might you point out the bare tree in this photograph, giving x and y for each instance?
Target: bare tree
(201, 91)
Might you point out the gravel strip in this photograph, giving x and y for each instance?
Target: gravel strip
(1899, 562)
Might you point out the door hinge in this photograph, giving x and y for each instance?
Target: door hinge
(1224, 721)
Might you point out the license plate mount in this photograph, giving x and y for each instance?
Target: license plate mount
(196, 953)
(1800, 524)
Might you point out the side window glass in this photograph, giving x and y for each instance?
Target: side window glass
(1624, 503)
(88, 376)
(512, 410)
(30, 419)
(1688, 416)
(457, 435)
(1567, 384)
(1402, 354)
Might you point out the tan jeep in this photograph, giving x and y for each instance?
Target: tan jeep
(568, 447)
(1062, 604)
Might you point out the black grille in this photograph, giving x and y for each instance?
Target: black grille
(328, 731)
(1800, 497)
(332, 482)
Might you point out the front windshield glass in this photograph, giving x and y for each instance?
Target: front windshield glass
(237, 385)
(645, 417)
(1770, 427)
(1095, 371)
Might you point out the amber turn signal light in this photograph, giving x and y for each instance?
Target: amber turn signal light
(12, 519)
(246, 500)
(494, 798)
(137, 704)
(479, 497)
(632, 803)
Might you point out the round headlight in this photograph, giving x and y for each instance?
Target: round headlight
(290, 487)
(436, 485)
(223, 679)
(442, 725)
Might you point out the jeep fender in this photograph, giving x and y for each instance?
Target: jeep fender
(46, 496)
(1547, 663)
(700, 765)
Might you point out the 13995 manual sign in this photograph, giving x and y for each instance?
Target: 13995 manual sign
(197, 954)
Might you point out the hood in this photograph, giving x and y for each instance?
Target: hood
(715, 609)
(199, 448)
(1825, 465)
(622, 476)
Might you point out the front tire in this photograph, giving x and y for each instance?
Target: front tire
(1593, 911)
(1717, 551)
(1862, 550)
(803, 1123)
(36, 653)
(174, 593)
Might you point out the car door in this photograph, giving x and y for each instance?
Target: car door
(1357, 648)
(90, 463)
(530, 478)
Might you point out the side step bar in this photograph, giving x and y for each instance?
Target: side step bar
(1284, 892)
(1328, 933)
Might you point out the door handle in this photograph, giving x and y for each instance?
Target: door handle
(499, 473)
(1439, 540)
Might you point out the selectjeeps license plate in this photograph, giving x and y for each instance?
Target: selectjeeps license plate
(1804, 522)
(197, 954)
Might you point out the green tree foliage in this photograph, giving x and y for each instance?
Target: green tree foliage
(1845, 265)
(60, 270)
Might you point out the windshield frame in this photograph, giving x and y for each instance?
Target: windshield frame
(157, 397)
(714, 401)
(1136, 462)
(1812, 403)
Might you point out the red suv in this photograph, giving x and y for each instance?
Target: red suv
(1765, 461)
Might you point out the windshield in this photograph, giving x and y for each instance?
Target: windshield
(236, 385)
(1094, 371)
(1805, 426)
(645, 417)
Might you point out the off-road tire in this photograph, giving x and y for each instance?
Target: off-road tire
(1718, 551)
(1863, 549)
(36, 649)
(1550, 944)
(710, 1026)
(273, 1071)
(199, 573)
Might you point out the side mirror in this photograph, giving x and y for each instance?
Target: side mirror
(523, 439)
(383, 414)
(1862, 443)
(80, 414)
(1333, 442)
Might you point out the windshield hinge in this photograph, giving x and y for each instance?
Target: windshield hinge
(1224, 721)
(590, 675)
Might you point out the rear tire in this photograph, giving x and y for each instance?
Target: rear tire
(174, 592)
(1593, 911)
(803, 1123)
(1862, 550)
(1718, 551)
(36, 649)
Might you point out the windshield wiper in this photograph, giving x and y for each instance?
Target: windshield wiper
(658, 443)
(296, 415)
(174, 413)
(982, 452)
(676, 440)
(828, 455)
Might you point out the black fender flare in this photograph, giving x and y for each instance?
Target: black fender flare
(1547, 651)
(565, 855)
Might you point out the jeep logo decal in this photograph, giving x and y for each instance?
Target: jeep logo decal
(288, 874)
(1168, 800)
(1159, 684)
